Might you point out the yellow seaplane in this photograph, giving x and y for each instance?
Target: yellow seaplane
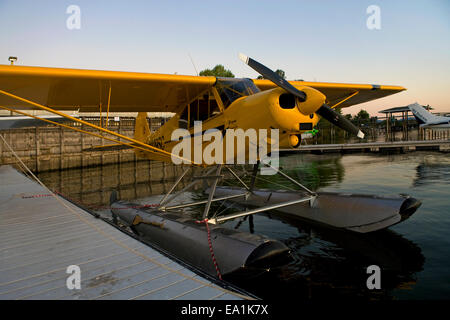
(287, 108)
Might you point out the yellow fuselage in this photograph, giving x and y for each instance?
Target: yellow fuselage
(270, 109)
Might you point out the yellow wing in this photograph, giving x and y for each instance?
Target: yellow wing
(73, 89)
(86, 90)
(341, 94)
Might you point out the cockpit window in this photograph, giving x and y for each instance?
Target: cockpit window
(231, 89)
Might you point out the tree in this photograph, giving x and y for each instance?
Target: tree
(280, 72)
(362, 117)
(218, 71)
(374, 120)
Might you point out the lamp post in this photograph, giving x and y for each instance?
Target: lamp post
(12, 60)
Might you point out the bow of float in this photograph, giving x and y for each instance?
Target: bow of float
(353, 212)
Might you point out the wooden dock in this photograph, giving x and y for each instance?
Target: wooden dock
(41, 235)
(399, 146)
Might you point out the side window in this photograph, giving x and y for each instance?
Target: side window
(198, 110)
(231, 89)
(183, 121)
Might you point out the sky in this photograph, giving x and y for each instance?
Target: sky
(326, 41)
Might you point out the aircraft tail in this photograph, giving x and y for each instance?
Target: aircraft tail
(142, 133)
(141, 128)
(421, 114)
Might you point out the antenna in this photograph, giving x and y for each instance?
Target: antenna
(196, 72)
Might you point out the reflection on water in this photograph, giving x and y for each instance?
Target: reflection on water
(314, 172)
(332, 264)
(413, 255)
(432, 170)
(132, 180)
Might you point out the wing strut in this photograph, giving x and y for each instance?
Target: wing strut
(42, 107)
(128, 144)
(345, 99)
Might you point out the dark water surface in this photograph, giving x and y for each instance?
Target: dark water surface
(414, 256)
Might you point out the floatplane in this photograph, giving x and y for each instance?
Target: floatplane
(427, 119)
(288, 108)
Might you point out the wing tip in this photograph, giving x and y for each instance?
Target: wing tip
(360, 134)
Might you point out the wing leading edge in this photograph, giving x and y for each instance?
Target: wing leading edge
(86, 90)
(344, 94)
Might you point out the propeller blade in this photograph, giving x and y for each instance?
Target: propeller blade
(272, 76)
(339, 120)
(324, 111)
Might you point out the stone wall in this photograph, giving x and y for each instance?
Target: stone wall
(55, 148)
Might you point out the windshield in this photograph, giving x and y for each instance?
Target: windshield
(231, 89)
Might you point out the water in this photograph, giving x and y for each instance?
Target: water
(414, 255)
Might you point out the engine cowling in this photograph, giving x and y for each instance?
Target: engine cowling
(276, 109)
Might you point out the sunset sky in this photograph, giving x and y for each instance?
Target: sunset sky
(312, 40)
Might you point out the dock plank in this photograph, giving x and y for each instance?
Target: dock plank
(40, 236)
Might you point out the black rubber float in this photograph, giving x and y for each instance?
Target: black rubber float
(187, 240)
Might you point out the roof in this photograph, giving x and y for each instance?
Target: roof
(395, 110)
(398, 109)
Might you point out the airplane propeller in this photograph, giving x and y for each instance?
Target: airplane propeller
(324, 111)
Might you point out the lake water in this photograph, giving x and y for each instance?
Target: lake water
(414, 256)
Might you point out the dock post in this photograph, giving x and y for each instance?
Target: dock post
(61, 147)
(387, 126)
(82, 147)
(36, 135)
(1, 147)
